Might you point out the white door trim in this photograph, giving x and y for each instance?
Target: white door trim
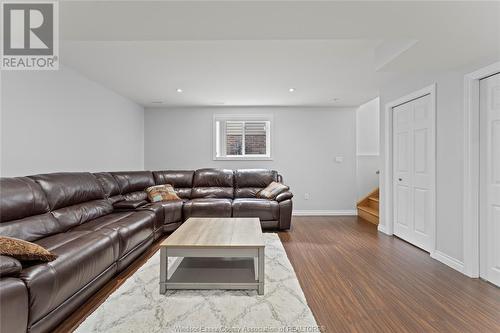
(386, 189)
(470, 198)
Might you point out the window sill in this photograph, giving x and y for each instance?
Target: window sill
(243, 158)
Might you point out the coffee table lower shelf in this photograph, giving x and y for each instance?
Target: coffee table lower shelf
(213, 273)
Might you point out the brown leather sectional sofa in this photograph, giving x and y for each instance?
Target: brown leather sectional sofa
(99, 223)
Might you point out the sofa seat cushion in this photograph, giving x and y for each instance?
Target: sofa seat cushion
(159, 214)
(209, 207)
(265, 210)
(82, 256)
(102, 222)
(133, 228)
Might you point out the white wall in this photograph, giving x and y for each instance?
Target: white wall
(305, 143)
(367, 128)
(449, 163)
(367, 178)
(367, 147)
(60, 121)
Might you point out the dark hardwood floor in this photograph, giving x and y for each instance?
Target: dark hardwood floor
(358, 280)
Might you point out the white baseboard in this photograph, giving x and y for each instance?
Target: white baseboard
(324, 212)
(449, 261)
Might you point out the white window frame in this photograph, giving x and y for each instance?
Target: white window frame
(232, 117)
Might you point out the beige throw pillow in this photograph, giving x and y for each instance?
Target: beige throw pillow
(162, 193)
(24, 251)
(272, 190)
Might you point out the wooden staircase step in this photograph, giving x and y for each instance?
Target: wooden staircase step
(369, 210)
(368, 207)
(372, 203)
(369, 214)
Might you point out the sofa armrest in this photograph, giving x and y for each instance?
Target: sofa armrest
(14, 305)
(284, 196)
(129, 204)
(9, 266)
(286, 207)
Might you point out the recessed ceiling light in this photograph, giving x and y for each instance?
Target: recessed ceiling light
(179, 90)
(157, 102)
(291, 89)
(219, 103)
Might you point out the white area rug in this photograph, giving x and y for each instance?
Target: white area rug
(137, 305)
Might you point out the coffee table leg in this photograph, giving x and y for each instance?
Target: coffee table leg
(261, 271)
(256, 267)
(163, 270)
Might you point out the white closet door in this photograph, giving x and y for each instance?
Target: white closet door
(490, 179)
(413, 170)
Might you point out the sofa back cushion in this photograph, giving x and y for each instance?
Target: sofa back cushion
(213, 183)
(181, 180)
(74, 197)
(109, 186)
(250, 181)
(69, 188)
(21, 197)
(24, 210)
(133, 183)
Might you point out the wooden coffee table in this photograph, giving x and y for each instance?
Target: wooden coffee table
(214, 253)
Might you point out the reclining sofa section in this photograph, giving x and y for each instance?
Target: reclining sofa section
(92, 222)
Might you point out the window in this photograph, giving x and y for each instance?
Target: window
(242, 137)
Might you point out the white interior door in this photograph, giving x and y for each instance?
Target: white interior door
(413, 171)
(489, 197)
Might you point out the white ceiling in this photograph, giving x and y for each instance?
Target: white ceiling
(252, 52)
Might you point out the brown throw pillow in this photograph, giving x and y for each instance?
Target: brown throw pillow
(272, 190)
(161, 193)
(24, 251)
